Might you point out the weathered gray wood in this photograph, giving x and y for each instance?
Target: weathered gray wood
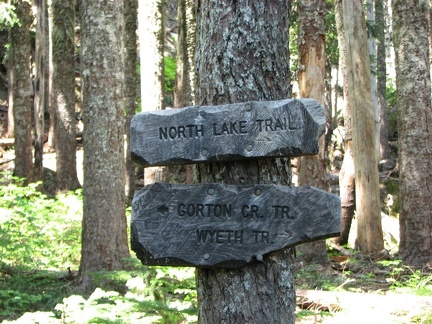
(255, 129)
(217, 225)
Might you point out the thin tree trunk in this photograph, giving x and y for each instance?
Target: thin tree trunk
(242, 55)
(184, 93)
(346, 174)
(131, 82)
(381, 79)
(369, 234)
(21, 91)
(41, 63)
(312, 85)
(151, 38)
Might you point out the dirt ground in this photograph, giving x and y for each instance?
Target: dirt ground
(372, 307)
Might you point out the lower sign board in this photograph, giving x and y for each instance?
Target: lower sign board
(249, 130)
(218, 225)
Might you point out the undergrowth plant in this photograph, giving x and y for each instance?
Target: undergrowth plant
(38, 232)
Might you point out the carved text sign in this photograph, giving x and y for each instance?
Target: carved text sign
(217, 225)
(289, 127)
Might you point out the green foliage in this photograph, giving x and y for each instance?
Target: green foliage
(170, 66)
(8, 18)
(37, 232)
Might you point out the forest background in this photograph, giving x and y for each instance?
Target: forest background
(60, 64)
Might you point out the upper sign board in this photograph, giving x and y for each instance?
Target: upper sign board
(247, 130)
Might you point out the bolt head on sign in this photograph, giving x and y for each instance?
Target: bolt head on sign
(218, 225)
(258, 129)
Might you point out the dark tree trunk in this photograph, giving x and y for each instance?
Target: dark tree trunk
(63, 92)
(410, 23)
(184, 95)
(20, 75)
(104, 239)
(41, 62)
(242, 54)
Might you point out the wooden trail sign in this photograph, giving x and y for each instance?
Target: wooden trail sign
(218, 225)
(289, 127)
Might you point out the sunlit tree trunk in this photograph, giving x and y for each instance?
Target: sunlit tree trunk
(369, 234)
(20, 75)
(63, 92)
(131, 83)
(346, 174)
(104, 239)
(381, 79)
(242, 54)
(312, 85)
(151, 37)
(410, 23)
(370, 16)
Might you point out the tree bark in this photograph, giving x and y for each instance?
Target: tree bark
(242, 54)
(381, 79)
(41, 62)
(410, 23)
(369, 234)
(184, 89)
(312, 85)
(151, 38)
(131, 82)
(20, 75)
(346, 174)
(104, 239)
(63, 92)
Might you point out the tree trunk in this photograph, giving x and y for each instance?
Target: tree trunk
(312, 85)
(41, 61)
(151, 38)
(346, 174)
(184, 89)
(20, 75)
(410, 23)
(104, 239)
(370, 16)
(369, 234)
(63, 92)
(131, 82)
(242, 54)
(381, 79)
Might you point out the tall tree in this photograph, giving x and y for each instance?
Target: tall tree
(131, 82)
(242, 54)
(346, 174)
(370, 17)
(381, 79)
(41, 62)
(413, 83)
(184, 88)
(104, 239)
(151, 37)
(62, 21)
(21, 87)
(311, 80)
(369, 233)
